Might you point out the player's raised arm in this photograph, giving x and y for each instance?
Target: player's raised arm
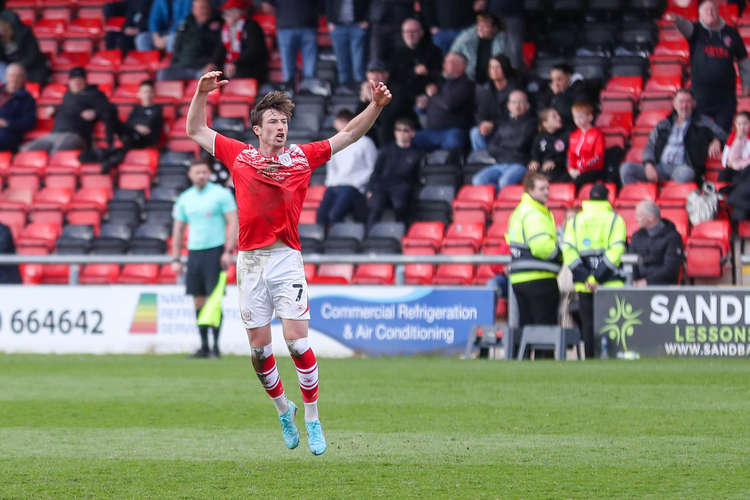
(196, 125)
(360, 124)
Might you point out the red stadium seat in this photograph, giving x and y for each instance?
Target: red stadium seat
(313, 197)
(307, 216)
(631, 194)
(58, 12)
(16, 199)
(469, 216)
(84, 27)
(52, 94)
(468, 235)
(61, 180)
(31, 274)
(423, 234)
(139, 273)
(674, 194)
(475, 197)
(241, 90)
(334, 274)
(15, 220)
(707, 249)
(166, 275)
(141, 60)
(86, 218)
(65, 162)
(41, 234)
(169, 91)
(506, 201)
(99, 274)
(55, 217)
(664, 83)
(78, 45)
(630, 85)
(140, 160)
(649, 119)
(55, 274)
(418, 273)
(679, 218)
(29, 162)
(135, 181)
(52, 198)
(496, 232)
(585, 192)
(65, 61)
(374, 274)
(234, 110)
(23, 181)
(310, 271)
(91, 198)
(49, 28)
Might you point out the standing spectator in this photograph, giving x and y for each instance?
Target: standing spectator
(478, 43)
(347, 24)
(446, 19)
(211, 214)
(8, 272)
(347, 174)
(535, 255)
(736, 155)
(512, 14)
(136, 23)
(394, 176)
(17, 108)
(492, 99)
(714, 48)
(586, 147)
(448, 107)
(549, 151)
(417, 61)
(510, 145)
(244, 53)
(163, 20)
(297, 27)
(658, 246)
(197, 45)
(562, 93)
(82, 106)
(678, 146)
(19, 45)
(386, 16)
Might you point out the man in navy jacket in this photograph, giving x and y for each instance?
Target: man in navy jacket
(17, 108)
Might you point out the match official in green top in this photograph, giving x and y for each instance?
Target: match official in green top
(211, 214)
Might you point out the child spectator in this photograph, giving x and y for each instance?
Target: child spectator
(550, 147)
(736, 155)
(586, 147)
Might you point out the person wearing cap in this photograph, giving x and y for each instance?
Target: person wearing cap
(593, 245)
(18, 108)
(82, 106)
(243, 53)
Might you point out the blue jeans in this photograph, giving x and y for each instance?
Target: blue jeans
(444, 39)
(432, 139)
(348, 42)
(292, 40)
(337, 203)
(500, 175)
(478, 141)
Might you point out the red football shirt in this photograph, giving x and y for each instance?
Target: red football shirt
(270, 191)
(586, 150)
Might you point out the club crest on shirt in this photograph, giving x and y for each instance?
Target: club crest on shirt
(559, 145)
(285, 159)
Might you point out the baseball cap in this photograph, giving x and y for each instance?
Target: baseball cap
(599, 192)
(77, 72)
(234, 4)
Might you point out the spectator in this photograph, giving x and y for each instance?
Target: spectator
(136, 23)
(446, 19)
(8, 272)
(736, 155)
(492, 99)
(297, 27)
(586, 147)
(549, 151)
(82, 106)
(386, 17)
(510, 145)
(197, 45)
(658, 246)
(395, 175)
(18, 108)
(244, 53)
(447, 107)
(512, 14)
(678, 145)
(478, 43)
(347, 24)
(563, 91)
(347, 174)
(19, 45)
(416, 61)
(714, 48)
(163, 20)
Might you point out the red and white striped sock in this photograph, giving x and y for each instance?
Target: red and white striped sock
(307, 373)
(268, 374)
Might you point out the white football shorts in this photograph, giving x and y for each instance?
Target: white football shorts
(268, 280)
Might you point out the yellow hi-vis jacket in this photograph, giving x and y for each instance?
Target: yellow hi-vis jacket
(593, 245)
(532, 239)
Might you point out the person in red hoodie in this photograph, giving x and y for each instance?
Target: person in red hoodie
(585, 147)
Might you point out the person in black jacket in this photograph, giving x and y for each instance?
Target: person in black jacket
(136, 22)
(415, 61)
(492, 99)
(347, 24)
(18, 44)
(8, 273)
(658, 246)
(197, 44)
(244, 53)
(18, 109)
(395, 175)
(82, 106)
(549, 151)
(386, 17)
(562, 93)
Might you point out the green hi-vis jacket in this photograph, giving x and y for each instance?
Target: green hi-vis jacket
(532, 239)
(593, 245)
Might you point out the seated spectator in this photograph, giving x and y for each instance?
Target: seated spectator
(244, 53)
(136, 23)
(678, 145)
(8, 272)
(736, 155)
(510, 145)
(19, 45)
(347, 173)
(586, 147)
(82, 106)
(386, 18)
(549, 151)
(492, 99)
(163, 20)
(448, 108)
(197, 44)
(446, 19)
(18, 108)
(347, 24)
(416, 61)
(478, 43)
(563, 91)
(395, 175)
(658, 246)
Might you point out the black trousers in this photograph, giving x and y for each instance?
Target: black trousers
(586, 311)
(538, 302)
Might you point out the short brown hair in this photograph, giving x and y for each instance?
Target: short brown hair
(530, 179)
(200, 161)
(277, 100)
(583, 107)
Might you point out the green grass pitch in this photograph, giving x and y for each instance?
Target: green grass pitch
(166, 427)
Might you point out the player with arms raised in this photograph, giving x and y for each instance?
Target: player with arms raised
(270, 183)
